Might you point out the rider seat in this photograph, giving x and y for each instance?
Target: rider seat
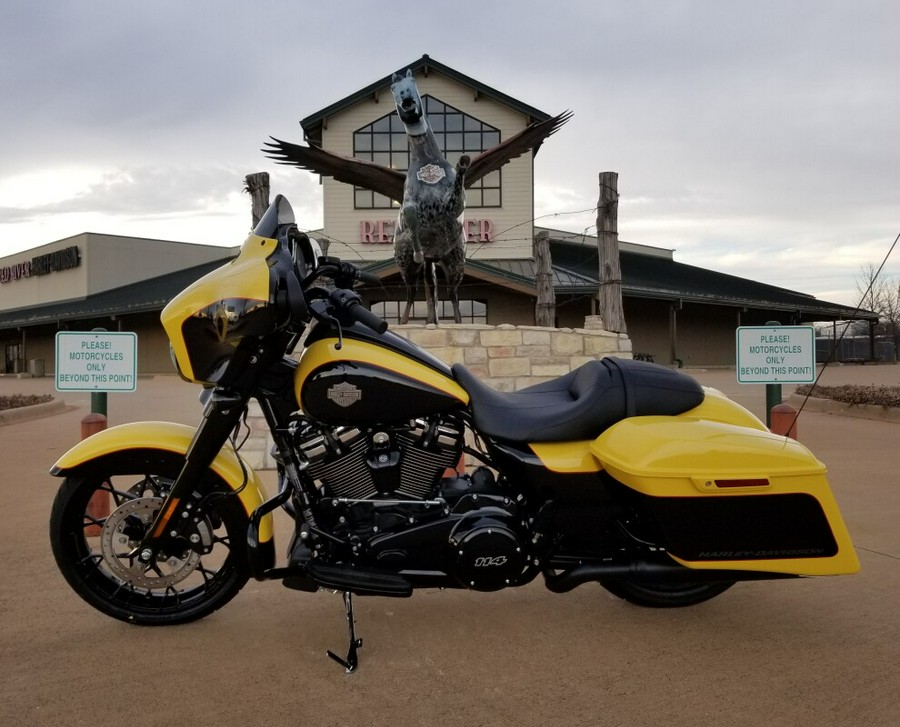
(580, 404)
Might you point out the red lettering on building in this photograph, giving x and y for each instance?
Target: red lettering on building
(65, 259)
(381, 232)
(487, 231)
(366, 231)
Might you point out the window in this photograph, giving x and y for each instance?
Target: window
(471, 311)
(384, 142)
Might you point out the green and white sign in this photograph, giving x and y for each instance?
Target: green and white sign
(96, 361)
(776, 355)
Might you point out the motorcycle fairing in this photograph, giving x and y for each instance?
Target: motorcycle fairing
(170, 437)
(730, 497)
(204, 321)
(364, 382)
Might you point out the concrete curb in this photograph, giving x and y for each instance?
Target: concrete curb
(24, 413)
(858, 411)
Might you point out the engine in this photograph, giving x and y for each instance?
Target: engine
(385, 490)
(363, 464)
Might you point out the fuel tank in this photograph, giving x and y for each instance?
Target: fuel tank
(387, 380)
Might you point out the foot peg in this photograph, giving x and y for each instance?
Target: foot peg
(351, 662)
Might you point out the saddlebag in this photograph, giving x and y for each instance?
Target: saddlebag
(729, 497)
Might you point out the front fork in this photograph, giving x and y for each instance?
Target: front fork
(167, 532)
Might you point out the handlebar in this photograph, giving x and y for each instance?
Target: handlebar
(343, 274)
(348, 302)
(340, 305)
(365, 277)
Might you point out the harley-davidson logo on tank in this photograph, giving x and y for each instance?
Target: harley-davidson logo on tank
(344, 394)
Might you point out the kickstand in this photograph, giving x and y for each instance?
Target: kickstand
(351, 661)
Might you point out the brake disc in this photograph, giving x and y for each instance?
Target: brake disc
(121, 535)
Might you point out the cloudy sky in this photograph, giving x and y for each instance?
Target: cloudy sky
(759, 138)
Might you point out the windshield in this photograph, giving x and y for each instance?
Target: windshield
(279, 213)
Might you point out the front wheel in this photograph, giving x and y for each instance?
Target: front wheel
(99, 518)
(663, 595)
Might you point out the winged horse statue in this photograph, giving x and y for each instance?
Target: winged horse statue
(431, 192)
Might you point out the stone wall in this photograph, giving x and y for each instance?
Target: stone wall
(507, 357)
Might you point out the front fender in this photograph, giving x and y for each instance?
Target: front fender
(168, 437)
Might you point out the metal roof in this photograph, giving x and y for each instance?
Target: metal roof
(523, 270)
(574, 273)
(650, 276)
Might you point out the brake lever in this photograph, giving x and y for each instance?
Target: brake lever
(324, 317)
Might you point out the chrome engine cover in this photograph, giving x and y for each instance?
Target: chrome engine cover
(362, 464)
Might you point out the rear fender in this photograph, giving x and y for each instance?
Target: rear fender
(579, 457)
(167, 437)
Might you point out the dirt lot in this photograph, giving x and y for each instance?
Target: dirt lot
(792, 653)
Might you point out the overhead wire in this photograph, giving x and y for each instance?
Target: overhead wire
(839, 339)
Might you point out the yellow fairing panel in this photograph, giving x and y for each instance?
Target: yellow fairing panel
(324, 352)
(169, 437)
(567, 457)
(577, 457)
(686, 457)
(246, 277)
(719, 408)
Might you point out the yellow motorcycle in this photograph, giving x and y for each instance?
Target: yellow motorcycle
(622, 473)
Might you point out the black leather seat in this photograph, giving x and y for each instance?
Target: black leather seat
(580, 404)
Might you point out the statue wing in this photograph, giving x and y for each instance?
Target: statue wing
(530, 137)
(349, 170)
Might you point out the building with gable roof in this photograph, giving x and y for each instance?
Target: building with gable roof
(676, 313)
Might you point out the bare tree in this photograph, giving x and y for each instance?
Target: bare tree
(881, 294)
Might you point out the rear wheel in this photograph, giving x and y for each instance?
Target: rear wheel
(98, 520)
(664, 595)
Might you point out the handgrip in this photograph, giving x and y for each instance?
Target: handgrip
(368, 318)
(350, 304)
(365, 277)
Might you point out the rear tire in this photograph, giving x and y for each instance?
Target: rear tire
(93, 550)
(664, 595)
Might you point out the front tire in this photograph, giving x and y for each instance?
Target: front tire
(93, 544)
(663, 595)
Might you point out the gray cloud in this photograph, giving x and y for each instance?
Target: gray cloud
(755, 125)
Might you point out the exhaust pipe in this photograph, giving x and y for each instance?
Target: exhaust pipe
(645, 570)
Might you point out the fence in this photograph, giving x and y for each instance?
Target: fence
(855, 348)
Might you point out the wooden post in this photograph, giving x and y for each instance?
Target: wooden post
(608, 243)
(545, 308)
(257, 186)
